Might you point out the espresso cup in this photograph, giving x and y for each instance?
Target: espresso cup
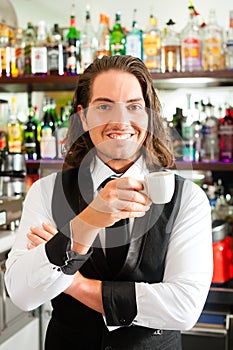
(159, 186)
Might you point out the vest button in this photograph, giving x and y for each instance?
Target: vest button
(122, 321)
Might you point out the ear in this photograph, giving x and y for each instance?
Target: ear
(82, 117)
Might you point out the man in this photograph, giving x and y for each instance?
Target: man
(159, 280)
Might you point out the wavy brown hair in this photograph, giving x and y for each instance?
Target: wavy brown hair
(156, 145)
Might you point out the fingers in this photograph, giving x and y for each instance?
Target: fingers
(38, 236)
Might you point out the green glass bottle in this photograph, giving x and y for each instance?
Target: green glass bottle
(72, 48)
(117, 38)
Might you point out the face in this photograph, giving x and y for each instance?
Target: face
(116, 118)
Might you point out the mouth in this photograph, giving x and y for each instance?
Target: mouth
(120, 135)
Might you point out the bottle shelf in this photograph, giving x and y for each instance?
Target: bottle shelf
(167, 80)
(58, 164)
(38, 83)
(214, 166)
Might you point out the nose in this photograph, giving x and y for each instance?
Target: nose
(120, 114)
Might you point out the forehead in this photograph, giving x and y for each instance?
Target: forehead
(117, 86)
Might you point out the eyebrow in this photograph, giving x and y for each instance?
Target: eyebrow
(105, 99)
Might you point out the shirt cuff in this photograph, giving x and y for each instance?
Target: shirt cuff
(119, 302)
(59, 253)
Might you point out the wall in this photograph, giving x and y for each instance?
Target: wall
(59, 11)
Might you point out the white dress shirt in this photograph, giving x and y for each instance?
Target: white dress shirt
(175, 303)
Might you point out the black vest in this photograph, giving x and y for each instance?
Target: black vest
(76, 326)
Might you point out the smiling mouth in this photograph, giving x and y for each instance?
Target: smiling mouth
(115, 136)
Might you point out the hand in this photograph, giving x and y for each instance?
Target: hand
(119, 199)
(87, 291)
(38, 235)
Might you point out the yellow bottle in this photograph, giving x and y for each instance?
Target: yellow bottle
(14, 130)
(152, 46)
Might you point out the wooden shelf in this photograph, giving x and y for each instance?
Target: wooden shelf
(217, 166)
(166, 80)
(38, 83)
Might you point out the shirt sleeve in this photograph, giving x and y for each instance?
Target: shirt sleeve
(177, 302)
(45, 271)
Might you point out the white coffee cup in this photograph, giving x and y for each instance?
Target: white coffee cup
(159, 186)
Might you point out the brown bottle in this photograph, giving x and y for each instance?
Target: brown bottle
(170, 50)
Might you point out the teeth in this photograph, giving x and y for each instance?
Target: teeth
(120, 137)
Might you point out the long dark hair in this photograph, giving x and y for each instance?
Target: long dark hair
(156, 145)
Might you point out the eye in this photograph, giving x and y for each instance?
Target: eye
(103, 107)
(135, 107)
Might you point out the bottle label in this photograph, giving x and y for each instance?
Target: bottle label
(14, 146)
(134, 45)
(212, 46)
(5, 61)
(226, 130)
(191, 53)
(152, 49)
(39, 60)
(53, 55)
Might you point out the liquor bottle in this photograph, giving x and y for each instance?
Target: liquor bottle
(30, 139)
(19, 45)
(176, 133)
(197, 127)
(14, 130)
(5, 52)
(72, 55)
(103, 37)
(117, 37)
(48, 117)
(188, 133)
(170, 49)
(191, 44)
(210, 141)
(30, 38)
(226, 136)
(39, 52)
(55, 53)
(62, 130)
(212, 55)
(152, 46)
(47, 144)
(134, 39)
(229, 44)
(88, 42)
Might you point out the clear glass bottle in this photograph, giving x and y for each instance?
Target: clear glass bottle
(39, 51)
(47, 144)
(212, 46)
(188, 133)
(88, 42)
(103, 37)
(170, 49)
(152, 46)
(19, 45)
(229, 44)
(210, 140)
(117, 37)
(5, 52)
(62, 130)
(191, 44)
(134, 39)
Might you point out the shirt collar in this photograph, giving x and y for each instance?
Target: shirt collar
(100, 171)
